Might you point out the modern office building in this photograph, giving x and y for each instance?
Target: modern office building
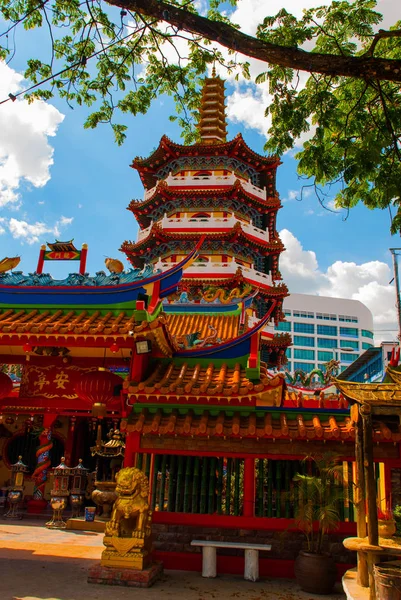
(323, 328)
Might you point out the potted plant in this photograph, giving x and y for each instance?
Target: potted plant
(318, 498)
(386, 523)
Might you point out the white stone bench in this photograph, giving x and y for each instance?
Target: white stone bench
(251, 569)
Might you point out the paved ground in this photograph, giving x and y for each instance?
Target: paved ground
(39, 564)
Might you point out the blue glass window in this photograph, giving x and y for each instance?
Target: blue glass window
(304, 354)
(366, 345)
(349, 331)
(326, 330)
(304, 366)
(304, 328)
(302, 340)
(348, 357)
(349, 344)
(326, 343)
(283, 326)
(325, 356)
(366, 333)
(288, 352)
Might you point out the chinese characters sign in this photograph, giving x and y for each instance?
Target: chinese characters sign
(51, 382)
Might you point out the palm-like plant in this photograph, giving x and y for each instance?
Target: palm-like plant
(318, 499)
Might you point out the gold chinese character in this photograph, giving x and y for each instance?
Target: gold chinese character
(61, 379)
(41, 381)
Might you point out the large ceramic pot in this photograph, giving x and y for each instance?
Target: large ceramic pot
(387, 528)
(104, 497)
(315, 573)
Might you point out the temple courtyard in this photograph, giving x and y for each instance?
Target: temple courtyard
(41, 564)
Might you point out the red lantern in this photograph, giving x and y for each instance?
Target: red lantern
(27, 347)
(97, 389)
(114, 347)
(6, 385)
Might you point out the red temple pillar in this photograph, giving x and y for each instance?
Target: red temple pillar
(249, 487)
(83, 257)
(132, 445)
(38, 503)
(41, 259)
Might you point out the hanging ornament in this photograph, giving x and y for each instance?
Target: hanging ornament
(114, 347)
(97, 389)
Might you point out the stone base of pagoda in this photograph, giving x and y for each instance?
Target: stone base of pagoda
(126, 577)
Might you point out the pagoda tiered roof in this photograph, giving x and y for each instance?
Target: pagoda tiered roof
(142, 209)
(157, 235)
(169, 150)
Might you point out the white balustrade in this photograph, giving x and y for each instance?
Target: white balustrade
(219, 268)
(205, 224)
(200, 181)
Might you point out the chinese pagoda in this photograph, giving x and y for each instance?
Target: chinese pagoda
(178, 353)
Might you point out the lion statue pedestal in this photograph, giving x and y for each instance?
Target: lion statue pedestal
(126, 559)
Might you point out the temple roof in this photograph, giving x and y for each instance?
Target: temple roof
(278, 292)
(169, 150)
(18, 278)
(377, 395)
(185, 381)
(236, 234)
(181, 324)
(254, 425)
(80, 328)
(162, 191)
(58, 246)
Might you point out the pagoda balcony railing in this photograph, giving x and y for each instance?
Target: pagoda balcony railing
(219, 268)
(204, 224)
(201, 181)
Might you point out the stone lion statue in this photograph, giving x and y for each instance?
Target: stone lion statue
(131, 516)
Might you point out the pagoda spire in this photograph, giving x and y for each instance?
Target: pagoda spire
(212, 122)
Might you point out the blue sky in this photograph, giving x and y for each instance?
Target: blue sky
(84, 194)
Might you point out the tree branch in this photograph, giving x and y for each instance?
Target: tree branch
(381, 35)
(361, 67)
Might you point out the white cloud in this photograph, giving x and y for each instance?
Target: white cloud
(367, 282)
(31, 232)
(66, 220)
(25, 153)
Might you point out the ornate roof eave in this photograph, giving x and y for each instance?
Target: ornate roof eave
(375, 394)
(233, 348)
(168, 149)
(272, 204)
(258, 425)
(281, 340)
(81, 296)
(236, 233)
